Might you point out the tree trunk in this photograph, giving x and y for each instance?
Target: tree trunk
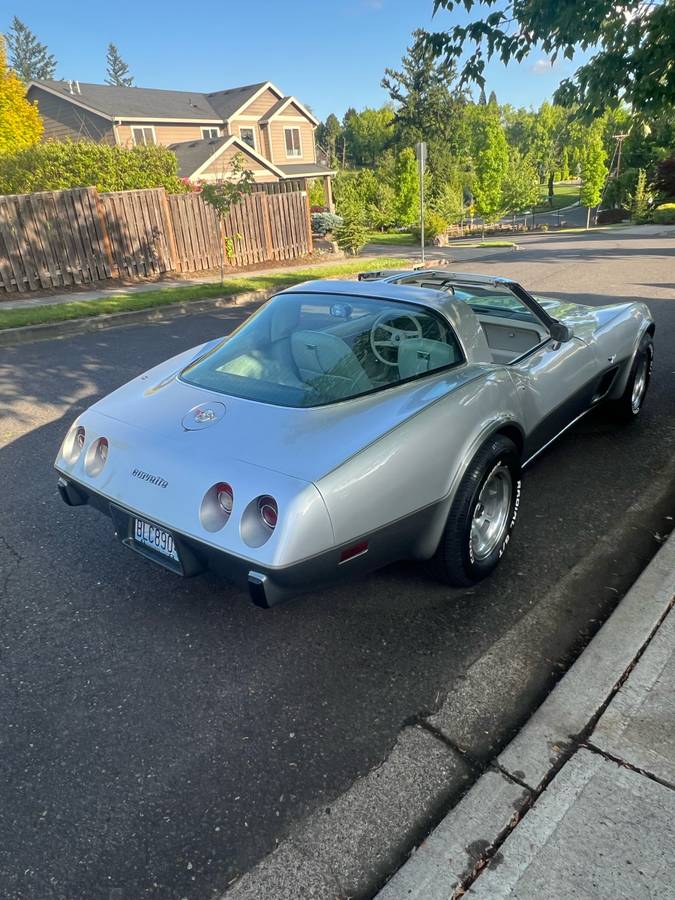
(588, 217)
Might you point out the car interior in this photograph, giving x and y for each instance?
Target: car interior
(319, 350)
(510, 327)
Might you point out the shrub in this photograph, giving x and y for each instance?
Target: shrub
(612, 216)
(316, 194)
(352, 234)
(434, 225)
(664, 214)
(58, 165)
(325, 222)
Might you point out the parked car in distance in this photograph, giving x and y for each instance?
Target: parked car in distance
(346, 425)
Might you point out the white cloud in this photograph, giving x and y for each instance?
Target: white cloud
(542, 66)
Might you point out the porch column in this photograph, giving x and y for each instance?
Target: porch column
(328, 193)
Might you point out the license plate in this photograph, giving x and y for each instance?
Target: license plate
(156, 538)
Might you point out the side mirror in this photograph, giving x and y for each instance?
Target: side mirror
(560, 332)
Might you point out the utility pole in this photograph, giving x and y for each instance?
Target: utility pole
(619, 138)
(421, 151)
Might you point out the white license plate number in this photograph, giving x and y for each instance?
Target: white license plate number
(156, 538)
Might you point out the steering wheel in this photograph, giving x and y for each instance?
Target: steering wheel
(386, 334)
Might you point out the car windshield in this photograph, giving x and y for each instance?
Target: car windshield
(304, 349)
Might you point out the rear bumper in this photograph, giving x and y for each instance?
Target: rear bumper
(267, 586)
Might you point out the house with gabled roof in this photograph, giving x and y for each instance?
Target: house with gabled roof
(274, 132)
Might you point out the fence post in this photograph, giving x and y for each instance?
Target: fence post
(310, 244)
(269, 246)
(105, 237)
(170, 232)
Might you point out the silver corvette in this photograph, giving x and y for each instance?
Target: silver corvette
(346, 425)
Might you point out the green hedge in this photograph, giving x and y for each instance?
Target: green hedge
(56, 165)
(664, 214)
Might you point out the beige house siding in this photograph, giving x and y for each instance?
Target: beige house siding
(221, 166)
(278, 141)
(260, 105)
(236, 124)
(165, 134)
(66, 121)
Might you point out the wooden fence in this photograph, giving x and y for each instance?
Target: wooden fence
(56, 239)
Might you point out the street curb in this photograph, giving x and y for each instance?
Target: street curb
(345, 850)
(329, 850)
(439, 868)
(54, 330)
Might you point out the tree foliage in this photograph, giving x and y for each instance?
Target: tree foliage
(20, 122)
(406, 187)
(491, 160)
(117, 71)
(593, 169)
(367, 134)
(57, 165)
(520, 187)
(632, 62)
(27, 56)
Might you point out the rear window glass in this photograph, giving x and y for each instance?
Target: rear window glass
(311, 349)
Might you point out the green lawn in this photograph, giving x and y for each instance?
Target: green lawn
(393, 239)
(78, 309)
(563, 195)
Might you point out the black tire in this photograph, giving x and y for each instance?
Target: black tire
(455, 561)
(626, 409)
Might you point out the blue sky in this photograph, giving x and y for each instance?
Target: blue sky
(330, 56)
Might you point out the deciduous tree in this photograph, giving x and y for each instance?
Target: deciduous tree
(20, 122)
(407, 187)
(633, 58)
(491, 160)
(593, 170)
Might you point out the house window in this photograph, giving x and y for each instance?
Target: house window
(293, 147)
(208, 133)
(248, 136)
(144, 135)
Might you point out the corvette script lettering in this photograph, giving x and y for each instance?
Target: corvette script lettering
(151, 479)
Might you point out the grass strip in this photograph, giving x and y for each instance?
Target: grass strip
(80, 309)
(393, 239)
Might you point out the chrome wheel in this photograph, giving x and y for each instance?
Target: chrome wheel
(639, 384)
(491, 513)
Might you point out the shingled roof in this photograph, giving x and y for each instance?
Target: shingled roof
(154, 103)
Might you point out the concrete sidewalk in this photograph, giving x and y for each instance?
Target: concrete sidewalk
(582, 802)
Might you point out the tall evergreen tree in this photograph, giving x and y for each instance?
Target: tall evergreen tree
(27, 56)
(422, 93)
(117, 71)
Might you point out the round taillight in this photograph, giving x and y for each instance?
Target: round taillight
(269, 511)
(225, 497)
(97, 457)
(79, 438)
(216, 508)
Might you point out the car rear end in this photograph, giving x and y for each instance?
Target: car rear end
(180, 500)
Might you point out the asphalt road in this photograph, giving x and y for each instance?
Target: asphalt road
(158, 735)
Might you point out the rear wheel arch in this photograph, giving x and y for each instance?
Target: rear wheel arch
(514, 433)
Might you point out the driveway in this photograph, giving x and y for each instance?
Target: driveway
(160, 736)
